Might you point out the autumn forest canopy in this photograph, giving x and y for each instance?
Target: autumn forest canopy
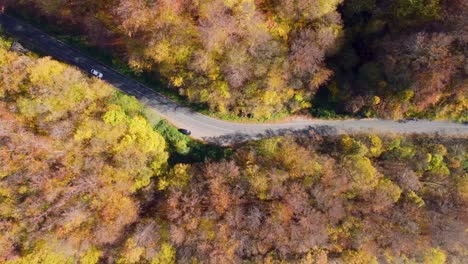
(85, 177)
(90, 175)
(390, 58)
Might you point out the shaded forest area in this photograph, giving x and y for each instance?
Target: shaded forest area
(85, 178)
(267, 58)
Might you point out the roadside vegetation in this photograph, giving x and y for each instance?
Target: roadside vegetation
(73, 155)
(264, 60)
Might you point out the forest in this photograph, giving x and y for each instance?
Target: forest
(267, 58)
(88, 176)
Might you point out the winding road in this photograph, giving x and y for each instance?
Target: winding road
(207, 128)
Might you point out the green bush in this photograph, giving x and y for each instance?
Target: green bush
(416, 11)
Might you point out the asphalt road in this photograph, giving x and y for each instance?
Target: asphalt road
(207, 128)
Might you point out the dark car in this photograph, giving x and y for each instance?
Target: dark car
(185, 131)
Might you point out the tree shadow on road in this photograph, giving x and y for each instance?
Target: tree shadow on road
(237, 138)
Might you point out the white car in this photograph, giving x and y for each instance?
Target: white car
(96, 73)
